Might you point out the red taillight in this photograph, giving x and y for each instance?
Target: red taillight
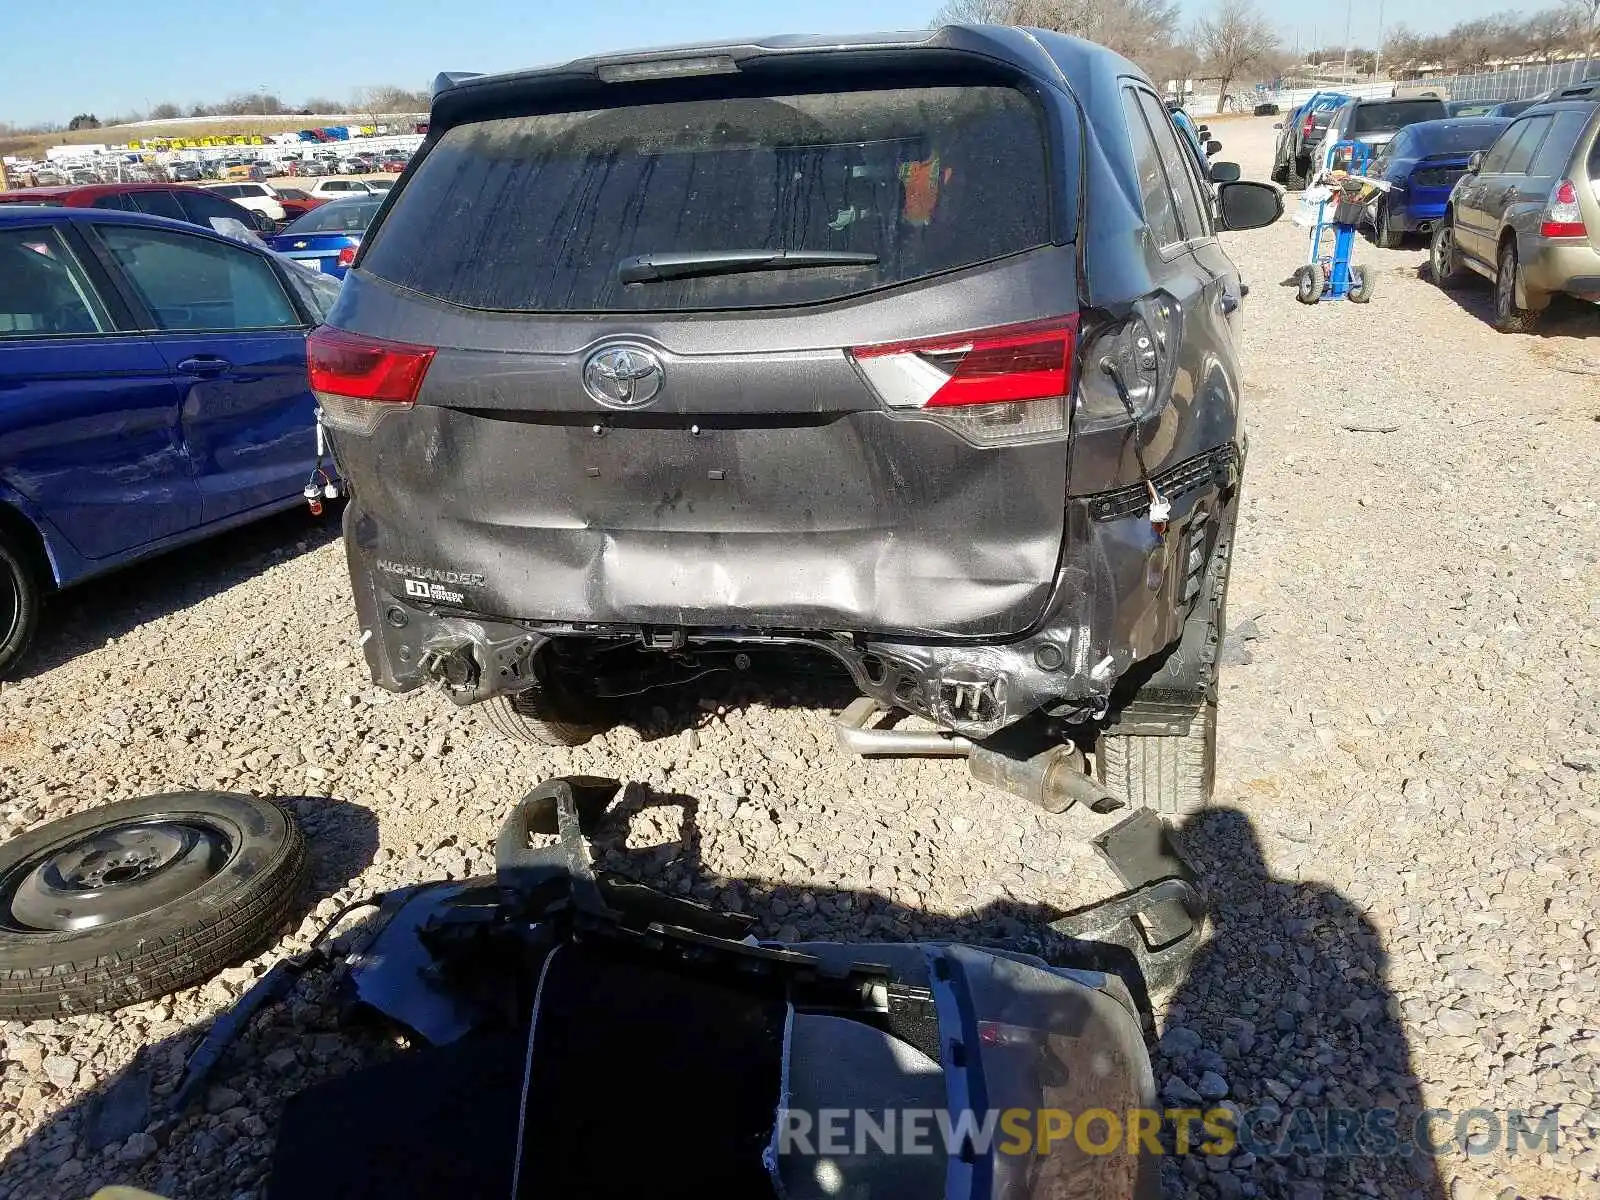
(995, 366)
(347, 256)
(1562, 216)
(1309, 127)
(362, 368)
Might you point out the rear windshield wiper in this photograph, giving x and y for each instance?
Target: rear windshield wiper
(646, 268)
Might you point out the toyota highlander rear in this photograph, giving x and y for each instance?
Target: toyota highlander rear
(652, 361)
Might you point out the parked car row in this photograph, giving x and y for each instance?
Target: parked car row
(155, 387)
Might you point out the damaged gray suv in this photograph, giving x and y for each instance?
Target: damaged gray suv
(916, 350)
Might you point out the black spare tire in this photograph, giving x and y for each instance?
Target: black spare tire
(138, 898)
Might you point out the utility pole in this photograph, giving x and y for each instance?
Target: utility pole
(1377, 61)
(1348, 5)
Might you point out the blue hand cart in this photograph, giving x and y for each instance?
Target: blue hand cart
(1339, 207)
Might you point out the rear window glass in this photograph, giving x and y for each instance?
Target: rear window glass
(1390, 115)
(537, 213)
(342, 216)
(1457, 139)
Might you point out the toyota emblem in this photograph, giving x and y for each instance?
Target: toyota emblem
(625, 377)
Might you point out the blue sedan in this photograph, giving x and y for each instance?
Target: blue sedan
(327, 237)
(1422, 164)
(155, 393)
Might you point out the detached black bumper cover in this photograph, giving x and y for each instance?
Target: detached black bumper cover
(642, 1048)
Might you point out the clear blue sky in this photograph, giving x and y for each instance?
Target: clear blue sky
(67, 56)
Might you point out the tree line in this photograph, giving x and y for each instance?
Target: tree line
(368, 103)
(1233, 43)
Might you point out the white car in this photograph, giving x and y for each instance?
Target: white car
(335, 189)
(258, 197)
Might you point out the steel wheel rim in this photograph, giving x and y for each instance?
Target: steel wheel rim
(1505, 284)
(10, 605)
(1441, 255)
(115, 872)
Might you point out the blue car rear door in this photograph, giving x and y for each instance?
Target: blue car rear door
(89, 427)
(234, 342)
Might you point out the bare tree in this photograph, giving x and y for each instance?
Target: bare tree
(1137, 29)
(1472, 44)
(1233, 40)
(1587, 13)
(165, 112)
(977, 12)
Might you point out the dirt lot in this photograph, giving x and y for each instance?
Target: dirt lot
(1401, 852)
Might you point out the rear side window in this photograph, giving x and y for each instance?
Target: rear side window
(42, 292)
(1388, 116)
(1522, 153)
(1190, 212)
(201, 208)
(538, 213)
(1494, 162)
(1160, 210)
(157, 204)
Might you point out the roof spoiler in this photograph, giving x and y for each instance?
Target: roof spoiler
(445, 80)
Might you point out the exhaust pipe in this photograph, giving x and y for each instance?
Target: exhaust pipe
(1054, 780)
(854, 737)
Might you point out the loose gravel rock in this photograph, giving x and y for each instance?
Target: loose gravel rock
(1401, 853)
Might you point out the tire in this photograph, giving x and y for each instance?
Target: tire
(1309, 283)
(1508, 318)
(1294, 175)
(1280, 172)
(221, 874)
(535, 719)
(1362, 282)
(21, 598)
(1172, 775)
(1383, 233)
(1444, 260)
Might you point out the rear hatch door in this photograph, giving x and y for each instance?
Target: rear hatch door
(637, 413)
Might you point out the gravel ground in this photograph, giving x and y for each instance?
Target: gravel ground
(1408, 805)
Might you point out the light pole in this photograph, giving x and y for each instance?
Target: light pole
(1377, 61)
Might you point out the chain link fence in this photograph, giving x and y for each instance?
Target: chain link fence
(1524, 83)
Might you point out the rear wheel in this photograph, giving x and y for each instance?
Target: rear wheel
(1295, 174)
(1309, 282)
(1444, 261)
(1509, 316)
(20, 599)
(1172, 775)
(1361, 284)
(543, 717)
(1383, 231)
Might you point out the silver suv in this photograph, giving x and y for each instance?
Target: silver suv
(1526, 215)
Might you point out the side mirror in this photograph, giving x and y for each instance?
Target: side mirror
(1277, 124)
(1248, 205)
(1202, 130)
(1475, 162)
(262, 222)
(1213, 146)
(1224, 172)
